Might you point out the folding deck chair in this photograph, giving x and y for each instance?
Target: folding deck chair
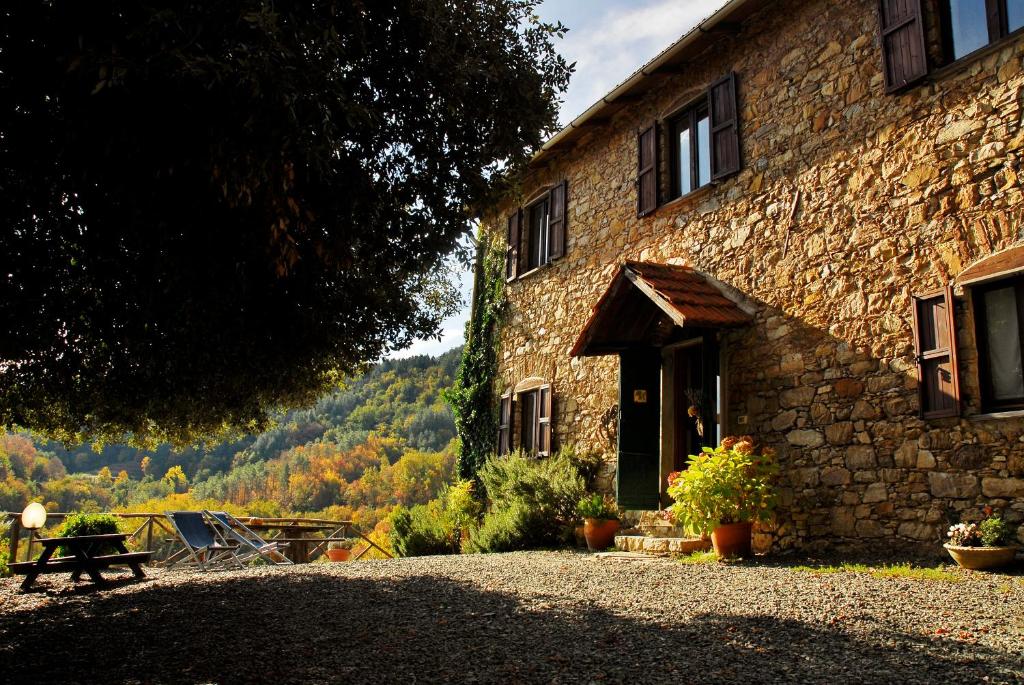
(203, 548)
(250, 543)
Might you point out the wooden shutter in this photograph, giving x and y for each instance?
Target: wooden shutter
(505, 424)
(512, 251)
(647, 170)
(935, 346)
(904, 58)
(544, 405)
(725, 127)
(557, 218)
(638, 483)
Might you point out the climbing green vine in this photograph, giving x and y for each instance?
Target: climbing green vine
(472, 396)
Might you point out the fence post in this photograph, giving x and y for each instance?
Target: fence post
(15, 535)
(149, 536)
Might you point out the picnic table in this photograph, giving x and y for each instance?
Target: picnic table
(299, 535)
(82, 559)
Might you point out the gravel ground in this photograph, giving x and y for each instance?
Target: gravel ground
(556, 617)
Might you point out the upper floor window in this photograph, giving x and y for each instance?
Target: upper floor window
(537, 239)
(690, 135)
(702, 142)
(999, 322)
(536, 235)
(973, 24)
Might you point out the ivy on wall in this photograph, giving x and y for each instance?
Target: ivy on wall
(472, 395)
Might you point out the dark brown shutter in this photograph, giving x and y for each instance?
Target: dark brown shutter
(512, 251)
(904, 57)
(935, 345)
(543, 431)
(505, 424)
(647, 170)
(725, 127)
(557, 219)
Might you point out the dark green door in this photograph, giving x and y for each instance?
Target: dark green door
(638, 470)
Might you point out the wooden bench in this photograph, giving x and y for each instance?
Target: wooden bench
(82, 559)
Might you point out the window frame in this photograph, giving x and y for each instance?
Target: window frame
(997, 20)
(988, 402)
(544, 231)
(687, 117)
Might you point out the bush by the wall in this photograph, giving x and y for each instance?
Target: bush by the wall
(437, 527)
(532, 502)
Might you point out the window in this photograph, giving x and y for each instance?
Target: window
(690, 140)
(972, 24)
(702, 142)
(998, 320)
(967, 26)
(530, 411)
(537, 239)
(935, 344)
(536, 235)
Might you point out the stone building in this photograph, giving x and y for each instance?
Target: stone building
(801, 221)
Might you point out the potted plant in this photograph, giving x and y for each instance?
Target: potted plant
(600, 521)
(340, 550)
(723, 491)
(987, 544)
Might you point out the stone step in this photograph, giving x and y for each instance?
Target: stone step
(659, 545)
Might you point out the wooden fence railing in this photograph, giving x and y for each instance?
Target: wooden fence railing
(152, 531)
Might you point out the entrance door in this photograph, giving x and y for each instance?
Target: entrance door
(688, 398)
(638, 474)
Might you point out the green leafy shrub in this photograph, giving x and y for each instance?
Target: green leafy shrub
(5, 551)
(597, 507)
(532, 502)
(437, 527)
(88, 524)
(729, 484)
(995, 532)
(422, 530)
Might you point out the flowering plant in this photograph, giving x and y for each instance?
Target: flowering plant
(992, 531)
(733, 483)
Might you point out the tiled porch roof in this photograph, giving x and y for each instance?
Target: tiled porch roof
(645, 299)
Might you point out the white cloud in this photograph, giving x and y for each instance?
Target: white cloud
(612, 46)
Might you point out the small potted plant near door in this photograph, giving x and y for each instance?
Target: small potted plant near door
(339, 550)
(723, 491)
(600, 521)
(987, 544)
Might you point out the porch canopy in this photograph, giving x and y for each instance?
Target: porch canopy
(645, 301)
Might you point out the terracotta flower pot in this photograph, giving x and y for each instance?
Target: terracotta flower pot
(339, 554)
(600, 533)
(978, 558)
(732, 540)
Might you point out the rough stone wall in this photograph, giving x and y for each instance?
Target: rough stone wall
(894, 195)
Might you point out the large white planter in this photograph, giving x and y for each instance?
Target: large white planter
(978, 558)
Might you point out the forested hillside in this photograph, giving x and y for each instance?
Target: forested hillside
(385, 439)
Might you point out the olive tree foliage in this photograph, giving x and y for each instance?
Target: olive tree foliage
(211, 210)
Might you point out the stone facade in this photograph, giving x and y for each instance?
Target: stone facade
(849, 202)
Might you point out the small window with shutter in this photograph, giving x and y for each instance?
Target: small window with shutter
(536, 234)
(533, 408)
(505, 424)
(970, 25)
(935, 342)
(999, 325)
(647, 171)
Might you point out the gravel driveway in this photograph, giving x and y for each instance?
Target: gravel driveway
(526, 617)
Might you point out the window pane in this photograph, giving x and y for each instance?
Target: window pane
(529, 405)
(538, 247)
(1004, 360)
(970, 26)
(703, 151)
(1015, 14)
(685, 183)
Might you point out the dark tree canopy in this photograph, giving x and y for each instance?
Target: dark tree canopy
(214, 209)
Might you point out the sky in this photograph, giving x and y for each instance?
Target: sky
(608, 40)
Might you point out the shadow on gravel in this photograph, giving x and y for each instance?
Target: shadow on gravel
(279, 628)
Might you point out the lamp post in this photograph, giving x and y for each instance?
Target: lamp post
(32, 518)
